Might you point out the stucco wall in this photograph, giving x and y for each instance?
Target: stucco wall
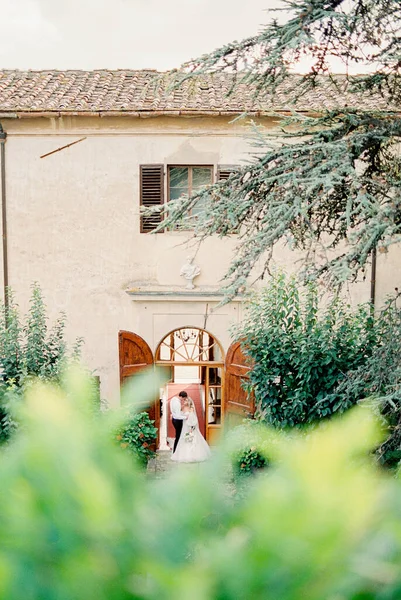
(73, 226)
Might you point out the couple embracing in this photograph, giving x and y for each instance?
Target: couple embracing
(189, 445)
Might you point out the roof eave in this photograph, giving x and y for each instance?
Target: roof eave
(24, 114)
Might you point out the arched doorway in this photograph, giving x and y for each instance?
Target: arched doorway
(197, 364)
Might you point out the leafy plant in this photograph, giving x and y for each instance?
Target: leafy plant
(80, 520)
(301, 353)
(249, 461)
(138, 435)
(11, 348)
(29, 350)
(378, 381)
(8, 424)
(252, 445)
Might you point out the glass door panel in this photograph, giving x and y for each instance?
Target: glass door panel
(214, 413)
(214, 405)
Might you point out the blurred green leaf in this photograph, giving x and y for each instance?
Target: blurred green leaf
(79, 520)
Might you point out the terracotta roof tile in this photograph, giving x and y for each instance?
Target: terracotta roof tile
(122, 91)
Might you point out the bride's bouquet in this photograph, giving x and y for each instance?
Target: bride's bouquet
(189, 436)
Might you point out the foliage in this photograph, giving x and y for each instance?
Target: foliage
(335, 175)
(379, 381)
(29, 350)
(138, 435)
(79, 520)
(249, 461)
(301, 353)
(8, 424)
(252, 449)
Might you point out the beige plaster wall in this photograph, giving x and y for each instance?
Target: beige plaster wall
(73, 226)
(388, 275)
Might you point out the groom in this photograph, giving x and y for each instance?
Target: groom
(177, 415)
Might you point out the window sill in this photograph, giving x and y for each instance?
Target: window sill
(174, 233)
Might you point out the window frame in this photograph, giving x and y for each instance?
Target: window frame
(216, 169)
(190, 167)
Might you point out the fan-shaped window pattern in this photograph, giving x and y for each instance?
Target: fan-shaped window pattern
(189, 345)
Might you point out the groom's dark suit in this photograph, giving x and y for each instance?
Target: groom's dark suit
(177, 418)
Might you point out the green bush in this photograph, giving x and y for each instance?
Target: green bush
(79, 520)
(7, 423)
(138, 435)
(378, 381)
(30, 350)
(249, 461)
(252, 452)
(300, 353)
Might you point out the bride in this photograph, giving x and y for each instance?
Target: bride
(192, 446)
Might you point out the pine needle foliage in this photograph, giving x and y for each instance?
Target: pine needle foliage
(358, 32)
(332, 187)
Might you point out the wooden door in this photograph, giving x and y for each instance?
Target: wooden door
(238, 403)
(136, 355)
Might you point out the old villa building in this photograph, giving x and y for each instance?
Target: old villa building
(81, 151)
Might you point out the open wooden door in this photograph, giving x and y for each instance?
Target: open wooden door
(238, 403)
(136, 355)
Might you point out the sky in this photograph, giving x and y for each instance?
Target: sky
(135, 34)
(126, 34)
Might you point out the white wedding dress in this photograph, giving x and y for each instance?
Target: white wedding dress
(192, 446)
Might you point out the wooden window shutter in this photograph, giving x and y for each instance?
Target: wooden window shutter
(224, 171)
(151, 194)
